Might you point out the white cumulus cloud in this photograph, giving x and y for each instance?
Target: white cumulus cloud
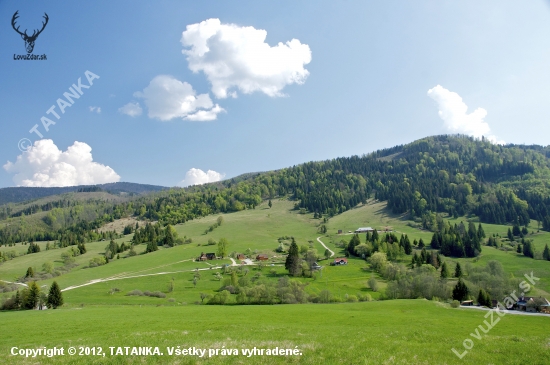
(235, 56)
(454, 113)
(44, 165)
(131, 109)
(168, 98)
(198, 177)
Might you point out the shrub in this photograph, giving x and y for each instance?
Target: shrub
(156, 294)
(6, 287)
(373, 284)
(97, 261)
(135, 292)
(455, 304)
(9, 304)
(231, 289)
(365, 298)
(352, 298)
(325, 296)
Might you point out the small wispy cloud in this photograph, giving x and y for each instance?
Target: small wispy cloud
(95, 109)
(131, 109)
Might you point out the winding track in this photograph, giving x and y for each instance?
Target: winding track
(325, 246)
(136, 274)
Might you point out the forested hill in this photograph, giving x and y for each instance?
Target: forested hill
(21, 194)
(453, 174)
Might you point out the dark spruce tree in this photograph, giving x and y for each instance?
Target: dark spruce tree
(353, 242)
(510, 235)
(293, 263)
(444, 271)
(407, 245)
(484, 299)
(55, 298)
(528, 249)
(480, 232)
(168, 236)
(31, 299)
(546, 253)
(30, 273)
(460, 291)
(458, 270)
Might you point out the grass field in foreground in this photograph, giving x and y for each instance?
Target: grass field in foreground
(386, 332)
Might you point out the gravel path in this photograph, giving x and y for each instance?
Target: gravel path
(325, 246)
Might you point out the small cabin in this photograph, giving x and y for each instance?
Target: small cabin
(241, 256)
(340, 261)
(262, 257)
(211, 256)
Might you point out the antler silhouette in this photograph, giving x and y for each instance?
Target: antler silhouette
(29, 40)
(13, 19)
(43, 26)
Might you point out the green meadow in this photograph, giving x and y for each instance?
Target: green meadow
(380, 332)
(98, 311)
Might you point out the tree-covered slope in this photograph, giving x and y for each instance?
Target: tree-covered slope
(454, 174)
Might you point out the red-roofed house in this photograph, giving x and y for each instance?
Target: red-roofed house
(340, 261)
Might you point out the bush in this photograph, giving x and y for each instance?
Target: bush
(231, 289)
(135, 292)
(352, 298)
(9, 304)
(455, 304)
(97, 261)
(220, 298)
(325, 296)
(156, 294)
(364, 298)
(373, 284)
(5, 287)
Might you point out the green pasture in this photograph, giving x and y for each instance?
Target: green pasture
(257, 230)
(382, 332)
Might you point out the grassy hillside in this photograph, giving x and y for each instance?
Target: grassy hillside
(258, 230)
(396, 331)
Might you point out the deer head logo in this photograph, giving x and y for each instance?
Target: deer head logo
(29, 39)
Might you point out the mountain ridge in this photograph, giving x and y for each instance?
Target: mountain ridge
(21, 194)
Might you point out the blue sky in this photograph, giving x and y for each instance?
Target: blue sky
(365, 85)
